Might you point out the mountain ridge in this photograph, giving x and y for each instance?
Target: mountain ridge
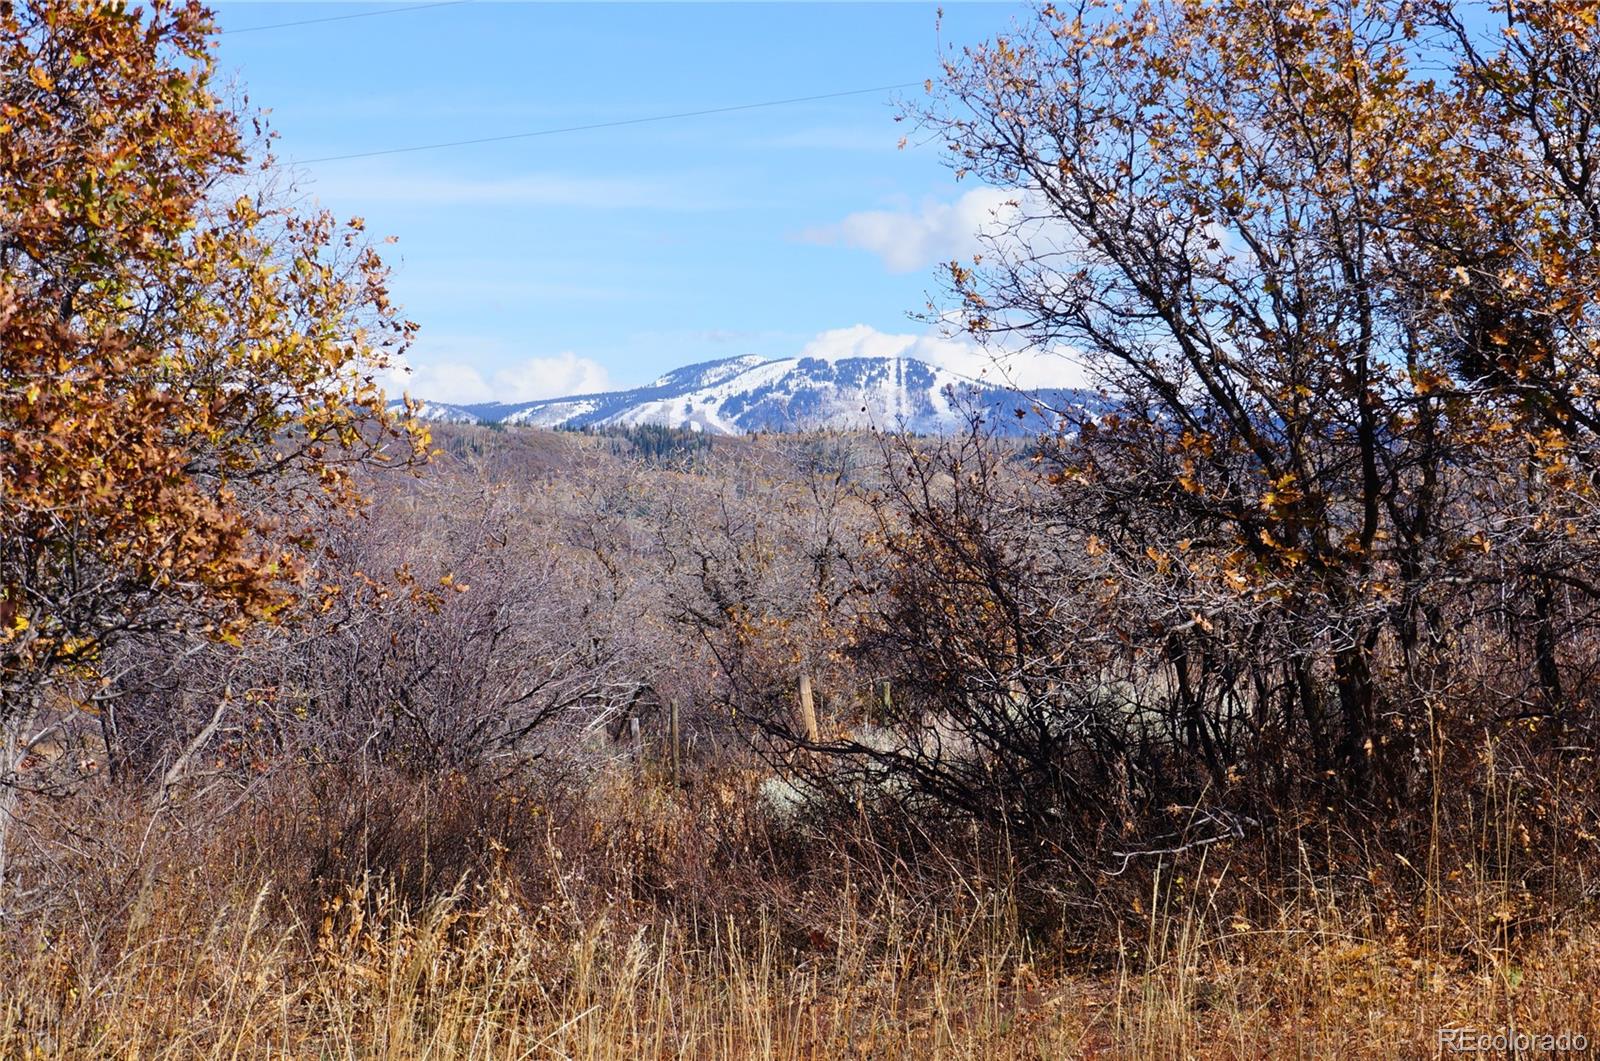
(740, 395)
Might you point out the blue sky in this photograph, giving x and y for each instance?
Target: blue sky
(603, 258)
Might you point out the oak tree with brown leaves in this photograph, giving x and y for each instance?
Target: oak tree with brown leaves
(186, 367)
(1333, 264)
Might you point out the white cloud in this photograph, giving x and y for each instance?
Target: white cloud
(462, 383)
(1026, 368)
(447, 382)
(938, 232)
(1005, 221)
(860, 340)
(551, 377)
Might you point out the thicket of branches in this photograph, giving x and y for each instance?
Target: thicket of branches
(1332, 266)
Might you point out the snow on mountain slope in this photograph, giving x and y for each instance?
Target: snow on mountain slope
(440, 412)
(744, 394)
(709, 372)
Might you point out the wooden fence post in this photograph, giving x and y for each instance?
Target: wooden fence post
(672, 725)
(808, 709)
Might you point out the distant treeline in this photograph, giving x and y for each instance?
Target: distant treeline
(653, 442)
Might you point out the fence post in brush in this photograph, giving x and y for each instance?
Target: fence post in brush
(808, 709)
(672, 727)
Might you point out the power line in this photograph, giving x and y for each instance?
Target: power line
(341, 18)
(606, 125)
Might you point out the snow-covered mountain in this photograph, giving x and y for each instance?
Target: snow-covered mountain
(743, 394)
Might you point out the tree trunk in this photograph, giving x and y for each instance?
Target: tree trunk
(13, 749)
(1544, 646)
(1358, 750)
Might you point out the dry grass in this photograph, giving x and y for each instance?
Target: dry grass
(477, 977)
(212, 954)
